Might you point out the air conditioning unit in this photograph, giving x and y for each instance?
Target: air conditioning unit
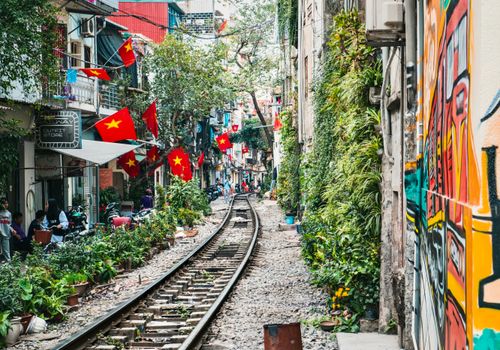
(87, 27)
(384, 21)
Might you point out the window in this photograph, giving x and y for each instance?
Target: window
(87, 56)
(306, 77)
(76, 54)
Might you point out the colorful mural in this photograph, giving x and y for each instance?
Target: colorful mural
(452, 188)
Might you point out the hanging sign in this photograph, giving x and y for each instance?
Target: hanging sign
(61, 129)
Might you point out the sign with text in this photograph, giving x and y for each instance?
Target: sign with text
(62, 129)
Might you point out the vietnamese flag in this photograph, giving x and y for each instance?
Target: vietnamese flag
(201, 158)
(151, 120)
(117, 127)
(178, 161)
(222, 27)
(129, 164)
(127, 53)
(96, 72)
(277, 124)
(223, 142)
(153, 154)
(235, 127)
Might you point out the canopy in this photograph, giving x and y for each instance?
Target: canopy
(98, 152)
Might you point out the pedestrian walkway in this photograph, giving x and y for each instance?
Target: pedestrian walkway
(367, 341)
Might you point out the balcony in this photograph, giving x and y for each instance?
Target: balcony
(82, 95)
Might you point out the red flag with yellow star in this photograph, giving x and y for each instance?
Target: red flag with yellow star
(223, 142)
(117, 127)
(129, 163)
(153, 154)
(150, 119)
(96, 72)
(201, 159)
(178, 161)
(127, 53)
(277, 124)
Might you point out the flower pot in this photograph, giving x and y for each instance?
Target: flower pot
(72, 300)
(25, 321)
(328, 326)
(81, 288)
(290, 219)
(127, 264)
(36, 325)
(42, 236)
(191, 233)
(15, 330)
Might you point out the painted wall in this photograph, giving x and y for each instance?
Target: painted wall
(452, 188)
(155, 11)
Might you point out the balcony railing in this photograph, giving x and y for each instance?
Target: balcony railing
(82, 94)
(83, 91)
(109, 96)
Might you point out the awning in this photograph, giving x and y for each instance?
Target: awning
(98, 152)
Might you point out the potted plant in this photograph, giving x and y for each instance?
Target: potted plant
(77, 281)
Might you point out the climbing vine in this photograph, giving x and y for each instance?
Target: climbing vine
(288, 190)
(342, 172)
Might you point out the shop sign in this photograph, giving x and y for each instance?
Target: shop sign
(61, 129)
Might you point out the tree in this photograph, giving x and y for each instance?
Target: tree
(189, 82)
(253, 52)
(27, 40)
(250, 135)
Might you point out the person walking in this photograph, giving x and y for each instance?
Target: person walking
(55, 218)
(6, 231)
(227, 191)
(147, 200)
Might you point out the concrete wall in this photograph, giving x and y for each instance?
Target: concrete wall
(312, 37)
(452, 187)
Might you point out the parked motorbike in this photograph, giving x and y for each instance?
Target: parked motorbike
(77, 222)
(142, 215)
(111, 211)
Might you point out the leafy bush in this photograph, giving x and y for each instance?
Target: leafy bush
(187, 195)
(341, 174)
(288, 190)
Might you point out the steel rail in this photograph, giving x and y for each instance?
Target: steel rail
(196, 335)
(89, 334)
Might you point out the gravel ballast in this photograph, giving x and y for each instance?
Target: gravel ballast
(275, 290)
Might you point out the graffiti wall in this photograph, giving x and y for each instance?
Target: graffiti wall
(452, 188)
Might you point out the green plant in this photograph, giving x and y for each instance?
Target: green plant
(104, 271)
(108, 195)
(75, 278)
(288, 190)
(4, 326)
(187, 217)
(208, 276)
(183, 311)
(341, 174)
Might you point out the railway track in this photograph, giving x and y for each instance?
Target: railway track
(174, 311)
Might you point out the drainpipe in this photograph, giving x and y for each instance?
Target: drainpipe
(384, 120)
(414, 44)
